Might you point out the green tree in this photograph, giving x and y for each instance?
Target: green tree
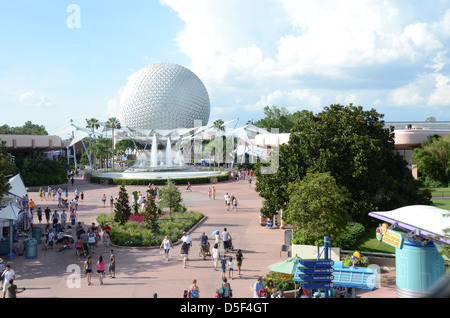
(355, 148)
(152, 212)
(7, 169)
(433, 159)
(122, 210)
(92, 124)
(278, 118)
(318, 206)
(27, 129)
(101, 150)
(170, 197)
(113, 123)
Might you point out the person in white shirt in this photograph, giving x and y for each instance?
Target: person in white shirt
(7, 275)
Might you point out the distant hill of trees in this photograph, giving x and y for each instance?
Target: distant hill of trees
(27, 129)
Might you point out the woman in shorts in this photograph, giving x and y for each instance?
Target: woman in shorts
(100, 269)
(88, 269)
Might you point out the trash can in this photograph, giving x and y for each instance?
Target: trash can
(30, 247)
(36, 233)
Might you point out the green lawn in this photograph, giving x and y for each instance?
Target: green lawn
(442, 203)
(440, 192)
(369, 243)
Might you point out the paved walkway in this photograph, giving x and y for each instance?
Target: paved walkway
(141, 272)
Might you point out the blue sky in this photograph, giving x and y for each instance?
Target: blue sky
(389, 55)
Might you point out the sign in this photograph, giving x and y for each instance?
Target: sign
(323, 285)
(316, 262)
(315, 278)
(317, 270)
(388, 236)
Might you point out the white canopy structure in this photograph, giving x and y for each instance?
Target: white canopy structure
(244, 134)
(424, 220)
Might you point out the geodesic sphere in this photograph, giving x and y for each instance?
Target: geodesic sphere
(164, 96)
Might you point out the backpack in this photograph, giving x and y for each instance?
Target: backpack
(225, 291)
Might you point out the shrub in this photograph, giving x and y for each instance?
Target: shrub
(137, 234)
(280, 281)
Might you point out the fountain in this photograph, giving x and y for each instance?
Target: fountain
(154, 156)
(160, 165)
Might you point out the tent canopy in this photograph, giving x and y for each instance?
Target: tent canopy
(425, 219)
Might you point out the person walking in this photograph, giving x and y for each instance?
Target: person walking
(223, 266)
(91, 240)
(209, 193)
(257, 287)
(7, 275)
(112, 264)
(194, 291)
(78, 247)
(239, 259)
(184, 251)
(104, 200)
(166, 244)
(235, 203)
(47, 214)
(226, 239)
(204, 244)
(13, 290)
(105, 240)
(215, 255)
(100, 269)
(225, 291)
(230, 268)
(213, 191)
(88, 269)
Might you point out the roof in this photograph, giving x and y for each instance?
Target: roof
(426, 219)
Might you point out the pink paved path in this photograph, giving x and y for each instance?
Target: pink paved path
(141, 272)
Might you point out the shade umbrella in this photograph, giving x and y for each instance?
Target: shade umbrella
(214, 233)
(288, 266)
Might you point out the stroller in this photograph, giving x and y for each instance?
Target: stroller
(230, 246)
(208, 252)
(67, 241)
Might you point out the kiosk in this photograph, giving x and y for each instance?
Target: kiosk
(419, 266)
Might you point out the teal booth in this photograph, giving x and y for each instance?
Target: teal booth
(418, 263)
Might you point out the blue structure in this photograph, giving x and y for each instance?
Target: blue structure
(419, 267)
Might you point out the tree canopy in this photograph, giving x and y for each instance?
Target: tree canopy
(352, 145)
(433, 160)
(27, 129)
(318, 205)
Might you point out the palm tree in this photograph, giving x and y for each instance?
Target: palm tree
(91, 124)
(101, 149)
(113, 123)
(220, 127)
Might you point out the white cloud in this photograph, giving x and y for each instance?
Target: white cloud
(312, 53)
(29, 99)
(441, 95)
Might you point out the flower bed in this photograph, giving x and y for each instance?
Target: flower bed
(135, 232)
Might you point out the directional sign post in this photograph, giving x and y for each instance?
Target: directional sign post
(316, 273)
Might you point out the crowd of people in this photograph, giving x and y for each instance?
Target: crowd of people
(87, 241)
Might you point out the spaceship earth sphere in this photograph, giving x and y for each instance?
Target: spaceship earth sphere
(164, 96)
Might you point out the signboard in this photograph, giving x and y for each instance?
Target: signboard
(323, 285)
(316, 262)
(388, 236)
(314, 273)
(315, 278)
(317, 270)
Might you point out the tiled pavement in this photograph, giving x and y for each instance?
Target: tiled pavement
(141, 272)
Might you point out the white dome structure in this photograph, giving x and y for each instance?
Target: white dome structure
(164, 96)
